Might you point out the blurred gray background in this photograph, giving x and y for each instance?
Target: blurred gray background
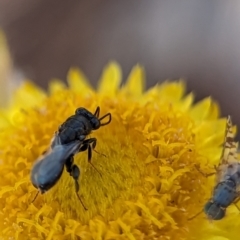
(195, 39)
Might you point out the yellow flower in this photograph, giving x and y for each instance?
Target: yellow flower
(149, 187)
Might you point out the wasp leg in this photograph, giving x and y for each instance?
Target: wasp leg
(35, 196)
(236, 201)
(68, 165)
(74, 172)
(84, 147)
(88, 142)
(197, 214)
(89, 145)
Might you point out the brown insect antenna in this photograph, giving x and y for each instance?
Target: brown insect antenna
(109, 119)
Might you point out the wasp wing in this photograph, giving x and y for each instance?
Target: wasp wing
(50, 165)
(56, 140)
(228, 164)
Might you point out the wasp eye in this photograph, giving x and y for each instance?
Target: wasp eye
(95, 123)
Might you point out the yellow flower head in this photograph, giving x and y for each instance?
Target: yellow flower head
(150, 185)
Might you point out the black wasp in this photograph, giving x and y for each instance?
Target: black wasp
(68, 140)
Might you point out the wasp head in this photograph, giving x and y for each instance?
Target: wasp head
(94, 119)
(214, 211)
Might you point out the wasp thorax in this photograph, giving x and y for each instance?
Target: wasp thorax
(84, 112)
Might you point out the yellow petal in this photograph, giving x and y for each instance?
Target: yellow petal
(172, 90)
(56, 85)
(201, 110)
(186, 103)
(214, 111)
(4, 119)
(28, 95)
(135, 83)
(110, 80)
(209, 129)
(77, 81)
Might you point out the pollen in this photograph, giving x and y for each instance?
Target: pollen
(149, 187)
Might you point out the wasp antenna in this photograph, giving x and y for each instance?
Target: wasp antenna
(191, 218)
(109, 120)
(81, 202)
(97, 112)
(35, 197)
